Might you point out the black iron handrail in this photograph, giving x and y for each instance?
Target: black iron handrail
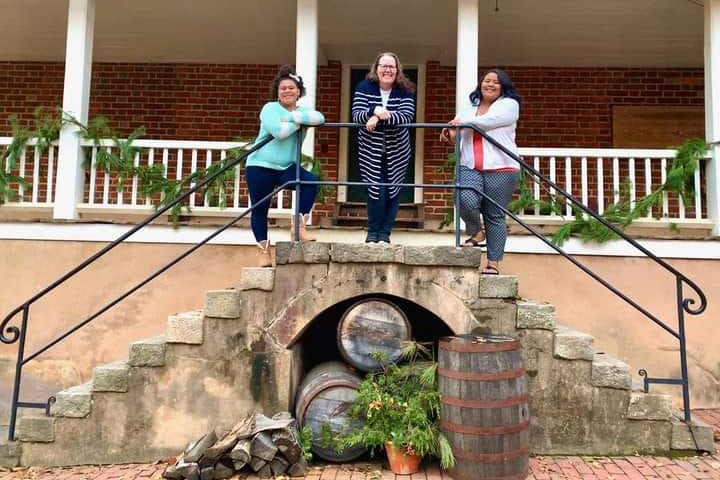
(11, 334)
(19, 333)
(684, 304)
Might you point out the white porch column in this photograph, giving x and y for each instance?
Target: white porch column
(712, 108)
(306, 54)
(466, 69)
(76, 99)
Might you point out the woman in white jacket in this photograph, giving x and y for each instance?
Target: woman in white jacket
(484, 167)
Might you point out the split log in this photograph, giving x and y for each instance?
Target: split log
(189, 470)
(299, 469)
(196, 450)
(256, 463)
(278, 465)
(263, 447)
(265, 472)
(223, 470)
(287, 441)
(207, 473)
(241, 451)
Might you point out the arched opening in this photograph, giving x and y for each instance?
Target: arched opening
(319, 343)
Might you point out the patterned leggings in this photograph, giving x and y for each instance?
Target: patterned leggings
(497, 185)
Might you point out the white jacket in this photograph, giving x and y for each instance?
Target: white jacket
(499, 123)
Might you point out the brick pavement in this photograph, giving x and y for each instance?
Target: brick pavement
(541, 468)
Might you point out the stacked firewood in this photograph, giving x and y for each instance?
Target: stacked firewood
(267, 446)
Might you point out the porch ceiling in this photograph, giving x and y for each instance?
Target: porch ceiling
(651, 33)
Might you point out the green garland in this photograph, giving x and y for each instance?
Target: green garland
(120, 160)
(680, 180)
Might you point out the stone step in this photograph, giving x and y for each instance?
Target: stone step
(35, 428)
(112, 377)
(650, 406)
(75, 402)
(610, 372)
(149, 352)
(186, 327)
(257, 278)
(537, 315)
(224, 303)
(571, 344)
(697, 438)
(9, 451)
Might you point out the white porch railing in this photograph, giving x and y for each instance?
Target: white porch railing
(38, 169)
(180, 159)
(594, 176)
(597, 176)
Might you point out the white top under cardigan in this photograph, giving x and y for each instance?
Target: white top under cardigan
(499, 123)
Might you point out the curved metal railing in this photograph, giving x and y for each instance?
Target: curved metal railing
(10, 334)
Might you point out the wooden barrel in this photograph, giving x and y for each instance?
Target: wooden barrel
(484, 406)
(322, 401)
(372, 325)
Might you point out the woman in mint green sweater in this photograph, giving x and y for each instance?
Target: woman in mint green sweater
(276, 162)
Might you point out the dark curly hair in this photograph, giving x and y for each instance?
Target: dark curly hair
(286, 71)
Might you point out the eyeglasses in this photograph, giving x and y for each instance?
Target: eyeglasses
(387, 67)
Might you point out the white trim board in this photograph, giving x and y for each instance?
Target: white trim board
(79, 232)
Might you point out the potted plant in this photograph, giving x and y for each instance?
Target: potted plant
(399, 407)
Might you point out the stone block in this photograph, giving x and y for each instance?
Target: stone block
(498, 286)
(35, 428)
(257, 278)
(308, 252)
(495, 316)
(649, 406)
(610, 372)
(222, 303)
(532, 314)
(572, 344)
(9, 451)
(446, 256)
(112, 377)
(366, 253)
(75, 402)
(185, 328)
(149, 352)
(699, 439)
(536, 350)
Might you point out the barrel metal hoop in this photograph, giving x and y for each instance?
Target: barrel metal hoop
(482, 376)
(505, 402)
(480, 347)
(313, 392)
(490, 457)
(458, 476)
(499, 430)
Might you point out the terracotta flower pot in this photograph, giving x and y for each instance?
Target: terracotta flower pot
(400, 462)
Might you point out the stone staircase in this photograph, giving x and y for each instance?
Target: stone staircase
(244, 352)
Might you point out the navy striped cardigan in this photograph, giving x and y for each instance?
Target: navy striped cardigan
(401, 106)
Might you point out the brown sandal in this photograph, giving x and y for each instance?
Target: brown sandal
(490, 270)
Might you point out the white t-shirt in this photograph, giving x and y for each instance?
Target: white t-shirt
(385, 94)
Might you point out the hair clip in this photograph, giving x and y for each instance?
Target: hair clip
(295, 77)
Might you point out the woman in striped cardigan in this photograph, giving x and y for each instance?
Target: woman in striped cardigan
(383, 100)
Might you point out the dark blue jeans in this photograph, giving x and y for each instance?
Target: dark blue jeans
(261, 181)
(381, 216)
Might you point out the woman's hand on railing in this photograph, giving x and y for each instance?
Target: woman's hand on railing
(447, 135)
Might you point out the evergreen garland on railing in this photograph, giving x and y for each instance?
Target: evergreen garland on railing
(120, 161)
(680, 180)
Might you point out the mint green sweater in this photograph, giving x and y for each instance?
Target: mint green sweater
(282, 124)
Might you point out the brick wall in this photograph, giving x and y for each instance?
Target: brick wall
(569, 107)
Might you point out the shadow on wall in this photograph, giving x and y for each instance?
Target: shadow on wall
(41, 379)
